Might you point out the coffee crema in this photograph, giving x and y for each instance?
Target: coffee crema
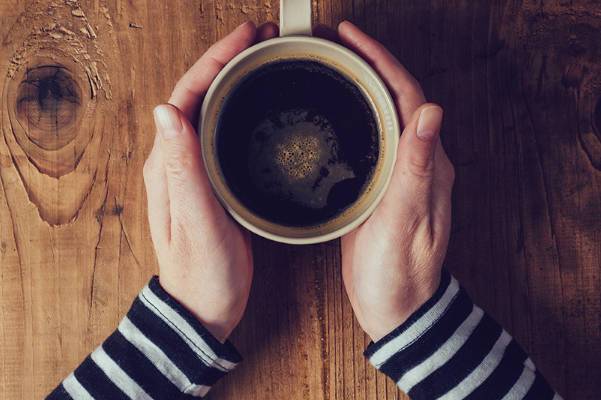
(297, 142)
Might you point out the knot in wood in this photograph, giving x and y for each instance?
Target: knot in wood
(47, 104)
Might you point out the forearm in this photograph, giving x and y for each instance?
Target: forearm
(158, 351)
(451, 349)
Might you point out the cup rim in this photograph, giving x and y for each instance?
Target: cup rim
(392, 147)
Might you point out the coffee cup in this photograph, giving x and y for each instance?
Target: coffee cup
(299, 135)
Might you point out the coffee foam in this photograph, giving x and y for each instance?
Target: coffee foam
(294, 155)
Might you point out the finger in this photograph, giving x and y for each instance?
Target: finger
(266, 31)
(411, 183)
(191, 201)
(155, 182)
(190, 89)
(405, 89)
(325, 32)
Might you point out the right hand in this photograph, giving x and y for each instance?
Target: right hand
(391, 264)
(205, 259)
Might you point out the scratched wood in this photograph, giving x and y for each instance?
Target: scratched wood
(520, 82)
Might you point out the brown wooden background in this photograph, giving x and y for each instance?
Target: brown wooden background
(520, 82)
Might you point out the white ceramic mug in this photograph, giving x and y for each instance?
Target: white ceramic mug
(296, 42)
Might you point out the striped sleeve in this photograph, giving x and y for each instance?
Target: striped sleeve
(159, 351)
(450, 349)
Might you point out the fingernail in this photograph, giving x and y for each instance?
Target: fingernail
(429, 122)
(167, 121)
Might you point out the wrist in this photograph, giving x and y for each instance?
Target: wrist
(413, 295)
(220, 330)
(419, 292)
(192, 301)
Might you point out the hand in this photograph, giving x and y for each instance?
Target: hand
(391, 264)
(205, 260)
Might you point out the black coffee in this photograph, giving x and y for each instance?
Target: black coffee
(297, 142)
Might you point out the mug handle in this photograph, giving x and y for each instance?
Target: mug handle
(295, 17)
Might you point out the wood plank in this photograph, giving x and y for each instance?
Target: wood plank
(520, 85)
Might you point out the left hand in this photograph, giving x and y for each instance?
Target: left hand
(391, 264)
(205, 260)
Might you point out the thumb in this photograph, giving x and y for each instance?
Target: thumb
(419, 141)
(411, 182)
(190, 194)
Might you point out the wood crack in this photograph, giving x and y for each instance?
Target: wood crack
(543, 174)
(14, 231)
(127, 240)
(100, 219)
(556, 254)
(595, 163)
(589, 155)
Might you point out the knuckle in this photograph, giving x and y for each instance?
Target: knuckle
(173, 166)
(418, 166)
(179, 161)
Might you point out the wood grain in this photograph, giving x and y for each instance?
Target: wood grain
(520, 82)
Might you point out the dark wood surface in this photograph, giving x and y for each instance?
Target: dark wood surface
(520, 82)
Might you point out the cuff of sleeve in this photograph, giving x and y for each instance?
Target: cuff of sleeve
(404, 354)
(450, 348)
(222, 351)
(401, 354)
(417, 324)
(177, 341)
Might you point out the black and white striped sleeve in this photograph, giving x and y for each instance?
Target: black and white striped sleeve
(159, 351)
(451, 349)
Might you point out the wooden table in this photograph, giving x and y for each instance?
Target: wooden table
(520, 83)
